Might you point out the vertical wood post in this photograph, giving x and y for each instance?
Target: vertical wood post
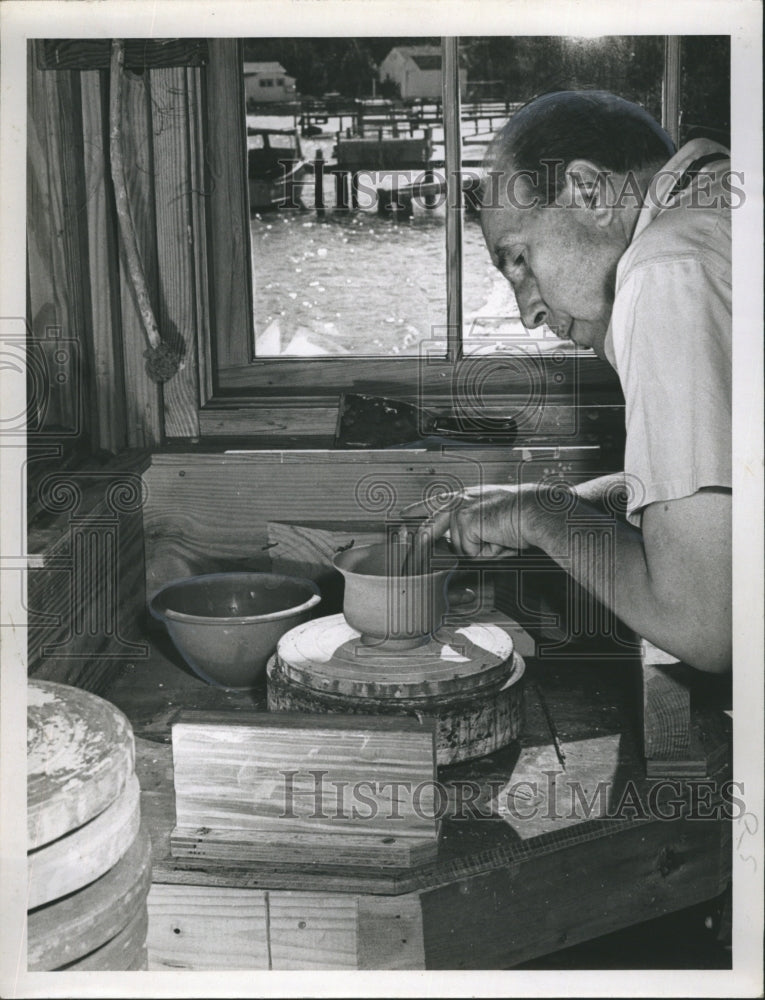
(225, 154)
(318, 183)
(670, 88)
(143, 398)
(57, 254)
(453, 163)
(176, 313)
(342, 192)
(103, 259)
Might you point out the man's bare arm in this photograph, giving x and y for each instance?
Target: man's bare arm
(670, 582)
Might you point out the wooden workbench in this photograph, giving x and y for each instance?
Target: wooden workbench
(501, 891)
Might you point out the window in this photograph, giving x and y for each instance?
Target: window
(289, 333)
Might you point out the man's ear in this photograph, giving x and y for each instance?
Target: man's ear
(589, 186)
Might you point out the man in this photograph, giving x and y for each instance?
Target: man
(622, 245)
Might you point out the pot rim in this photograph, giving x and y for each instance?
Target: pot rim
(170, 614)
(381, 576)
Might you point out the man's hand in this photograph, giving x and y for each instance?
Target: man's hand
(670, 582)
(482, 521)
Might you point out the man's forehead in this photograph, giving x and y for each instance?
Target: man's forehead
(502, 223)
(507, 204)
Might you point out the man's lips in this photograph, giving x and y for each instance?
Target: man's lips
(562, 330)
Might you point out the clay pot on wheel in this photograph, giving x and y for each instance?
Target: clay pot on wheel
(389, 605)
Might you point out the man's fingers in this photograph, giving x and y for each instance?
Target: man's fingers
(429, 508)
(435, 526)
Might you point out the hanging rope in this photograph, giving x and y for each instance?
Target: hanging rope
(162, 361)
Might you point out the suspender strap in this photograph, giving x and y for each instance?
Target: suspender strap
(693, 170)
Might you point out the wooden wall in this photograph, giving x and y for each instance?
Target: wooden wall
(80, 295)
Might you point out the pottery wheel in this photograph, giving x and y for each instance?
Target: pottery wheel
(467, 676)
(328, 655)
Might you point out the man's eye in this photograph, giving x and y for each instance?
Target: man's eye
(519, 260)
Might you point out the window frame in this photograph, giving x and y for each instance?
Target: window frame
(238, 378)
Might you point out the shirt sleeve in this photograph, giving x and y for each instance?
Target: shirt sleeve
(672, 345)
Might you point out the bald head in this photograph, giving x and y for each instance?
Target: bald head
(549, 133)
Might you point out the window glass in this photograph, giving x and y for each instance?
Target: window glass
(330, 278)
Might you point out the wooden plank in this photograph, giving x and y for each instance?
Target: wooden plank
(595, 698)
(185, 533)
(175, 310)
(337, 850)
(228, 204)
(142, 395)
(556, 900)
(581, 378)
(103, 255)
(249, 785)
(56, 296)
(140, 54)
(308, 550)
(664, 707)
(80, 757)
(76, 925)
(248, 421)
(85, 854)
(198, 199)
(312, 931)
(545, 796)
(390, 933)
(207, 928)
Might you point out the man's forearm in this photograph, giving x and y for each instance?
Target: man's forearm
(616, 574)
(671, 611)
(606, 493)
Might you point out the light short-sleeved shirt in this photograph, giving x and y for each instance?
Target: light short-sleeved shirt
(669, 338)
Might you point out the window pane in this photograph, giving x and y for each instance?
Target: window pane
(330, 278)
(502, 74)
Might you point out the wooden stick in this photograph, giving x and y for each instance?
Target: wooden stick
(417, 543)
(162, 361)
(553, 730)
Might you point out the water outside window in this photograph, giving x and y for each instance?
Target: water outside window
(359, 270)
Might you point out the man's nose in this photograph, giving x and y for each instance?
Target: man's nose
(532, 308)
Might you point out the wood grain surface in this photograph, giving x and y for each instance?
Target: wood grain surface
(207, 928)
(103, 260)
(80, 757)
(248, 787)
(305, 848)
(142, 396)
(176, 306)
(65, 930)
(185, 533)
(312, 931)
(80, 857)
(58, 306)
(664, 705)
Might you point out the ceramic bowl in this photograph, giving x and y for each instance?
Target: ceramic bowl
(389, 607)
(227, 625)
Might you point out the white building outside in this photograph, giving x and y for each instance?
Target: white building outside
(268, 81)
(417, 71)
